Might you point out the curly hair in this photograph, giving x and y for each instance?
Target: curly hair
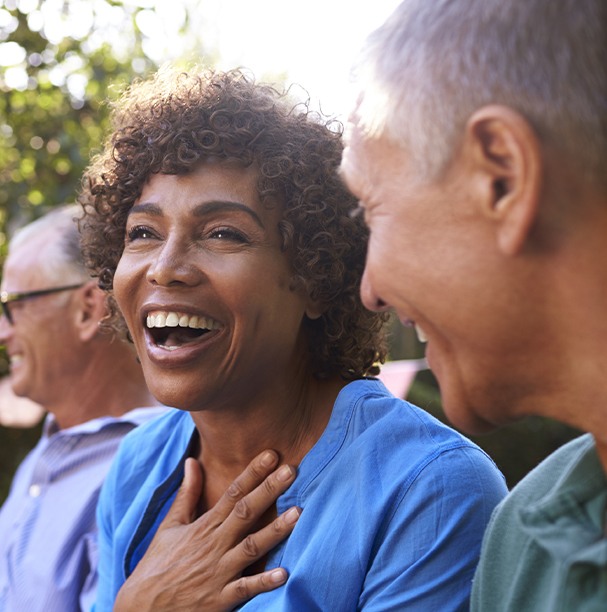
(175, 121)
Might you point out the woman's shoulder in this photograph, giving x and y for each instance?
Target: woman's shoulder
(375, 407)
(411, 440)
(402, 462)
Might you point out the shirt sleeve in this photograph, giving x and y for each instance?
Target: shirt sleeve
(427, 554)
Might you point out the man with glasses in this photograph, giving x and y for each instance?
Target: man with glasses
(91, 385)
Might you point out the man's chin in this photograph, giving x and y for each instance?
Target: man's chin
(466, 415)
(467, 418)
(19, 387)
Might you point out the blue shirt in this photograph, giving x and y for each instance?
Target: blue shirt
(48, 543)
(394, 508)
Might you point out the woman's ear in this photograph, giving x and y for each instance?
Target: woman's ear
(92, 309)
(315, 310)
(507, 159)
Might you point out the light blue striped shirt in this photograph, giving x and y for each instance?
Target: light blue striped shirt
(48, 536)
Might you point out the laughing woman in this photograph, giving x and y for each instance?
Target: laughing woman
(217, 224)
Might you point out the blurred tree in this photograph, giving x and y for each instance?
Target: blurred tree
(59, 61)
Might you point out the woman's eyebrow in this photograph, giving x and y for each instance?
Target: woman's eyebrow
(213, 206)
(146, 207)
(205, 208)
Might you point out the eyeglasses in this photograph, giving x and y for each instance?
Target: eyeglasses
(7, 298)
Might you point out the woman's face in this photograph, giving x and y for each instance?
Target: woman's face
(206, 290)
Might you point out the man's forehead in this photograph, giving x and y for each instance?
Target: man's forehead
(354, 132)
(355, 166)
(364, 161)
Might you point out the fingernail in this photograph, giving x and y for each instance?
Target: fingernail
(267, 459)
(284, 473)
(277, 576)
(292, 515)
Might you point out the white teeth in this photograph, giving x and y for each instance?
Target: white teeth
(176, 319)
(172, 320)
(421, 336)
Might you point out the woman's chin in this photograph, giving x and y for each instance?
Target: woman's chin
(171, 393)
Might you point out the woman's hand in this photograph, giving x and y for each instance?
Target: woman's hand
(197, 563)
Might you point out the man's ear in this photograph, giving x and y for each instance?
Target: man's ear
(507, 155)
(92, 308)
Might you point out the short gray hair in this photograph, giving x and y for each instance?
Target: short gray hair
(61, 258)
(434, 62)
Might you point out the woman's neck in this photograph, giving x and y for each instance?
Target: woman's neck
(289, 420)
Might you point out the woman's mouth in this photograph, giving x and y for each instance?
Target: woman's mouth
(171, 330)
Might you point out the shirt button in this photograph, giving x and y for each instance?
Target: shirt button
(35, 490)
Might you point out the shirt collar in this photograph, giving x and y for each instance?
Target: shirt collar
(137, 416)
(569, 520)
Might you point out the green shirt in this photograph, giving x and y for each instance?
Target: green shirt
(545, 547)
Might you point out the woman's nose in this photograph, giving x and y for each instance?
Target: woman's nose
(173, 265)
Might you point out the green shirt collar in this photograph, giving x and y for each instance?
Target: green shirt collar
(569, 521)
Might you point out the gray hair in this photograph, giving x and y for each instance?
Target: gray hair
(434, 62)
(61, 258)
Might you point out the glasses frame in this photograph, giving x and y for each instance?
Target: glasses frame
(7, 297)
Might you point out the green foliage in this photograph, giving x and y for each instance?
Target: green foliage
(52, 110)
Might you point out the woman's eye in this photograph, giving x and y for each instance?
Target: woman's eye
(226, 233)
(139, 232)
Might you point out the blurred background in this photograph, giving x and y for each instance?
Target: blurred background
(63, 61)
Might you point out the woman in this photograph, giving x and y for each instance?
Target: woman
(216, 221)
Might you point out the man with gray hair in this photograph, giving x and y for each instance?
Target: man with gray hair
(93, 389)
(478, 149)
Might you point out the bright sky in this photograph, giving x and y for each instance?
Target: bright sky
(313, 42)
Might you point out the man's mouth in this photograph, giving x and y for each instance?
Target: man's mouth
(15, 359)
(421, 335)
(170, 330)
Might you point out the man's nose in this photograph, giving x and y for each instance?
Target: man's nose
(5, 327)
(369, 297)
